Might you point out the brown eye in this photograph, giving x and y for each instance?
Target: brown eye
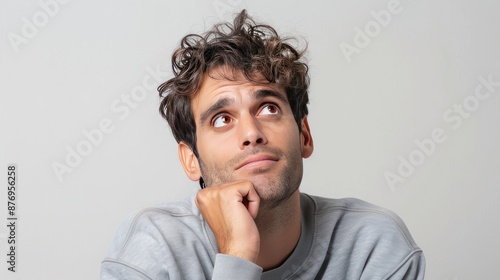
(269, 109)
(222, 120)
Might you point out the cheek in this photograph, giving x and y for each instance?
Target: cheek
(287, 130)
(292, 134)
(216, 147)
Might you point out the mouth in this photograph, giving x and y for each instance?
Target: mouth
(257, 161)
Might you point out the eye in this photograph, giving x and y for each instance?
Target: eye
(269, 109)
(221, 120)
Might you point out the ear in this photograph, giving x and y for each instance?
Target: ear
(306, 141)
(189, 162)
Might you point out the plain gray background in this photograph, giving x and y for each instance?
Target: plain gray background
(84, 63)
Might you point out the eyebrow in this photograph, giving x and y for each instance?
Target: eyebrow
(221, 103)
(224, 102)
(261, 93)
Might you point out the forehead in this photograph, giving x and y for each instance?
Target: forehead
(226, 83)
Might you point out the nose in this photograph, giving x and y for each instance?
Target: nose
(250, 132)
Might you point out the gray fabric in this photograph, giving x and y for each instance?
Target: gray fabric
(340, 239)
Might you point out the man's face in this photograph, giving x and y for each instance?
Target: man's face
(247, 131)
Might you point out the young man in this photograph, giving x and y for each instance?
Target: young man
(237, 106)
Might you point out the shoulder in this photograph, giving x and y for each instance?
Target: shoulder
(355, 217)
(161, 223)
(363, 239)
(168, 235)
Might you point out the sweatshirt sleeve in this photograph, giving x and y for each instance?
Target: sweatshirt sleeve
(412, 268)
(115, 270)
(231, 267)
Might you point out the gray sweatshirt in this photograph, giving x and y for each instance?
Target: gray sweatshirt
(340, 239)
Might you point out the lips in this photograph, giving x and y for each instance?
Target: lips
(257, 160)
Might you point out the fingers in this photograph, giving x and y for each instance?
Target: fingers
(230, 210)
(237, 192)
(253, 202)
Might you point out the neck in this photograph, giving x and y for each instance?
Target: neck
(279, 230)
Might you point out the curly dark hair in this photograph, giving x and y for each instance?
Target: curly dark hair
(254, 49)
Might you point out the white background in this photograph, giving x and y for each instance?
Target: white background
(87, 55)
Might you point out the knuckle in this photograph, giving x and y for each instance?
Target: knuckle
(200, 198)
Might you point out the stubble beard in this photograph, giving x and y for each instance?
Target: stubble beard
(273, 190)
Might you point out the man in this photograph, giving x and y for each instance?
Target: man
(237, 106)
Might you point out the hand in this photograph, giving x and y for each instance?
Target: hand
(230, 210)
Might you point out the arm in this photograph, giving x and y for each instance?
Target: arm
(231, 267)
(226, 267)
(114, 270)
(412, 268)
(149, 245)
(230, 210)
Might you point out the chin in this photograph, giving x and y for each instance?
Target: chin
(270, 189)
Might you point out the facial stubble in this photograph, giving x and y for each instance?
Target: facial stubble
(273, 189)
